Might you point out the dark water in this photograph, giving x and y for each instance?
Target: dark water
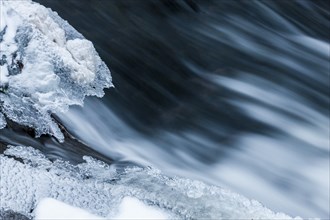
(235, 93)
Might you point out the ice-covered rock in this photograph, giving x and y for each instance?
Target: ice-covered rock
(102, 191)
(45, 66)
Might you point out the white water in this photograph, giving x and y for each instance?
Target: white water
(290, 165)
(254, 157)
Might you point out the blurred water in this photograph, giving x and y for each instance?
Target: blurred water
(235, 93)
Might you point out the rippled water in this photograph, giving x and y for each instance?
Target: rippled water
(235, 93)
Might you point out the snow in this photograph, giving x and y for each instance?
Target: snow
(46, 66)
(129, 208)
(81, 51)
(132, 208)
(49, 208)
(102, 190)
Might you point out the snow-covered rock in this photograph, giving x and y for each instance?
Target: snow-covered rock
(45, 66)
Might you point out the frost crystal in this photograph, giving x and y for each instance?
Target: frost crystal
(46, 66)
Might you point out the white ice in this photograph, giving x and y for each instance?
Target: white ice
(46, 66)
(95, 188)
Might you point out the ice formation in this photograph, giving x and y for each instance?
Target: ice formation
(46, 66)
(99, 189)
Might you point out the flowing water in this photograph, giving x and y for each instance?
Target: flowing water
(233, 93)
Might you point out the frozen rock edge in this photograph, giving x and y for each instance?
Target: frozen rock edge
(45, 66)
(27, 176)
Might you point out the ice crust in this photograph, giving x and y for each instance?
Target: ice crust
(99, 189)
(46, 66)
